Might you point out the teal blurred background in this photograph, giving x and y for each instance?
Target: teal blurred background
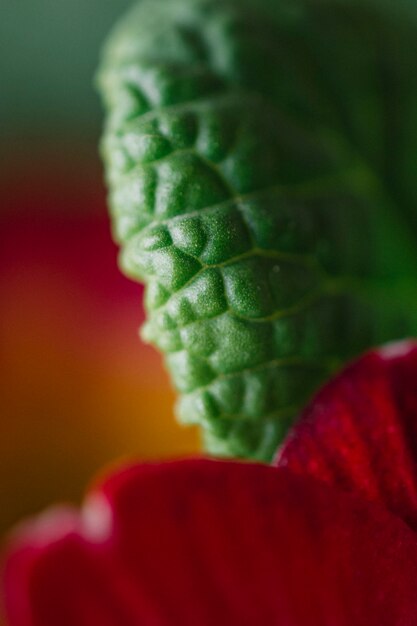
(49, 52)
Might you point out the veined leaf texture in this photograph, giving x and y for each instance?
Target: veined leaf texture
(261, 158)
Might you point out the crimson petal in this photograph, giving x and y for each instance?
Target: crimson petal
(213, 544)
(360, 431)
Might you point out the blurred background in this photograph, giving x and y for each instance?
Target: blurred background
(77, 388)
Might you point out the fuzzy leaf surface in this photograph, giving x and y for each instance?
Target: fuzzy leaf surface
(261, 161)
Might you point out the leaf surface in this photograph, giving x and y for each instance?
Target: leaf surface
(261, 162)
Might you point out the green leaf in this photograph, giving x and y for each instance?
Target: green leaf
(261, 158)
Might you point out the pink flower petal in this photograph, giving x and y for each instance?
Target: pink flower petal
(203, 543)
(360, 431)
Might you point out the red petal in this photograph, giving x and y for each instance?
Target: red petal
(360, 432)
(200, 543)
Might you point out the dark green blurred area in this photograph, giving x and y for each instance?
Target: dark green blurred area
(49, 53)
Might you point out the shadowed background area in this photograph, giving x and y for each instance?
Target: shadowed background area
(77, 387)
